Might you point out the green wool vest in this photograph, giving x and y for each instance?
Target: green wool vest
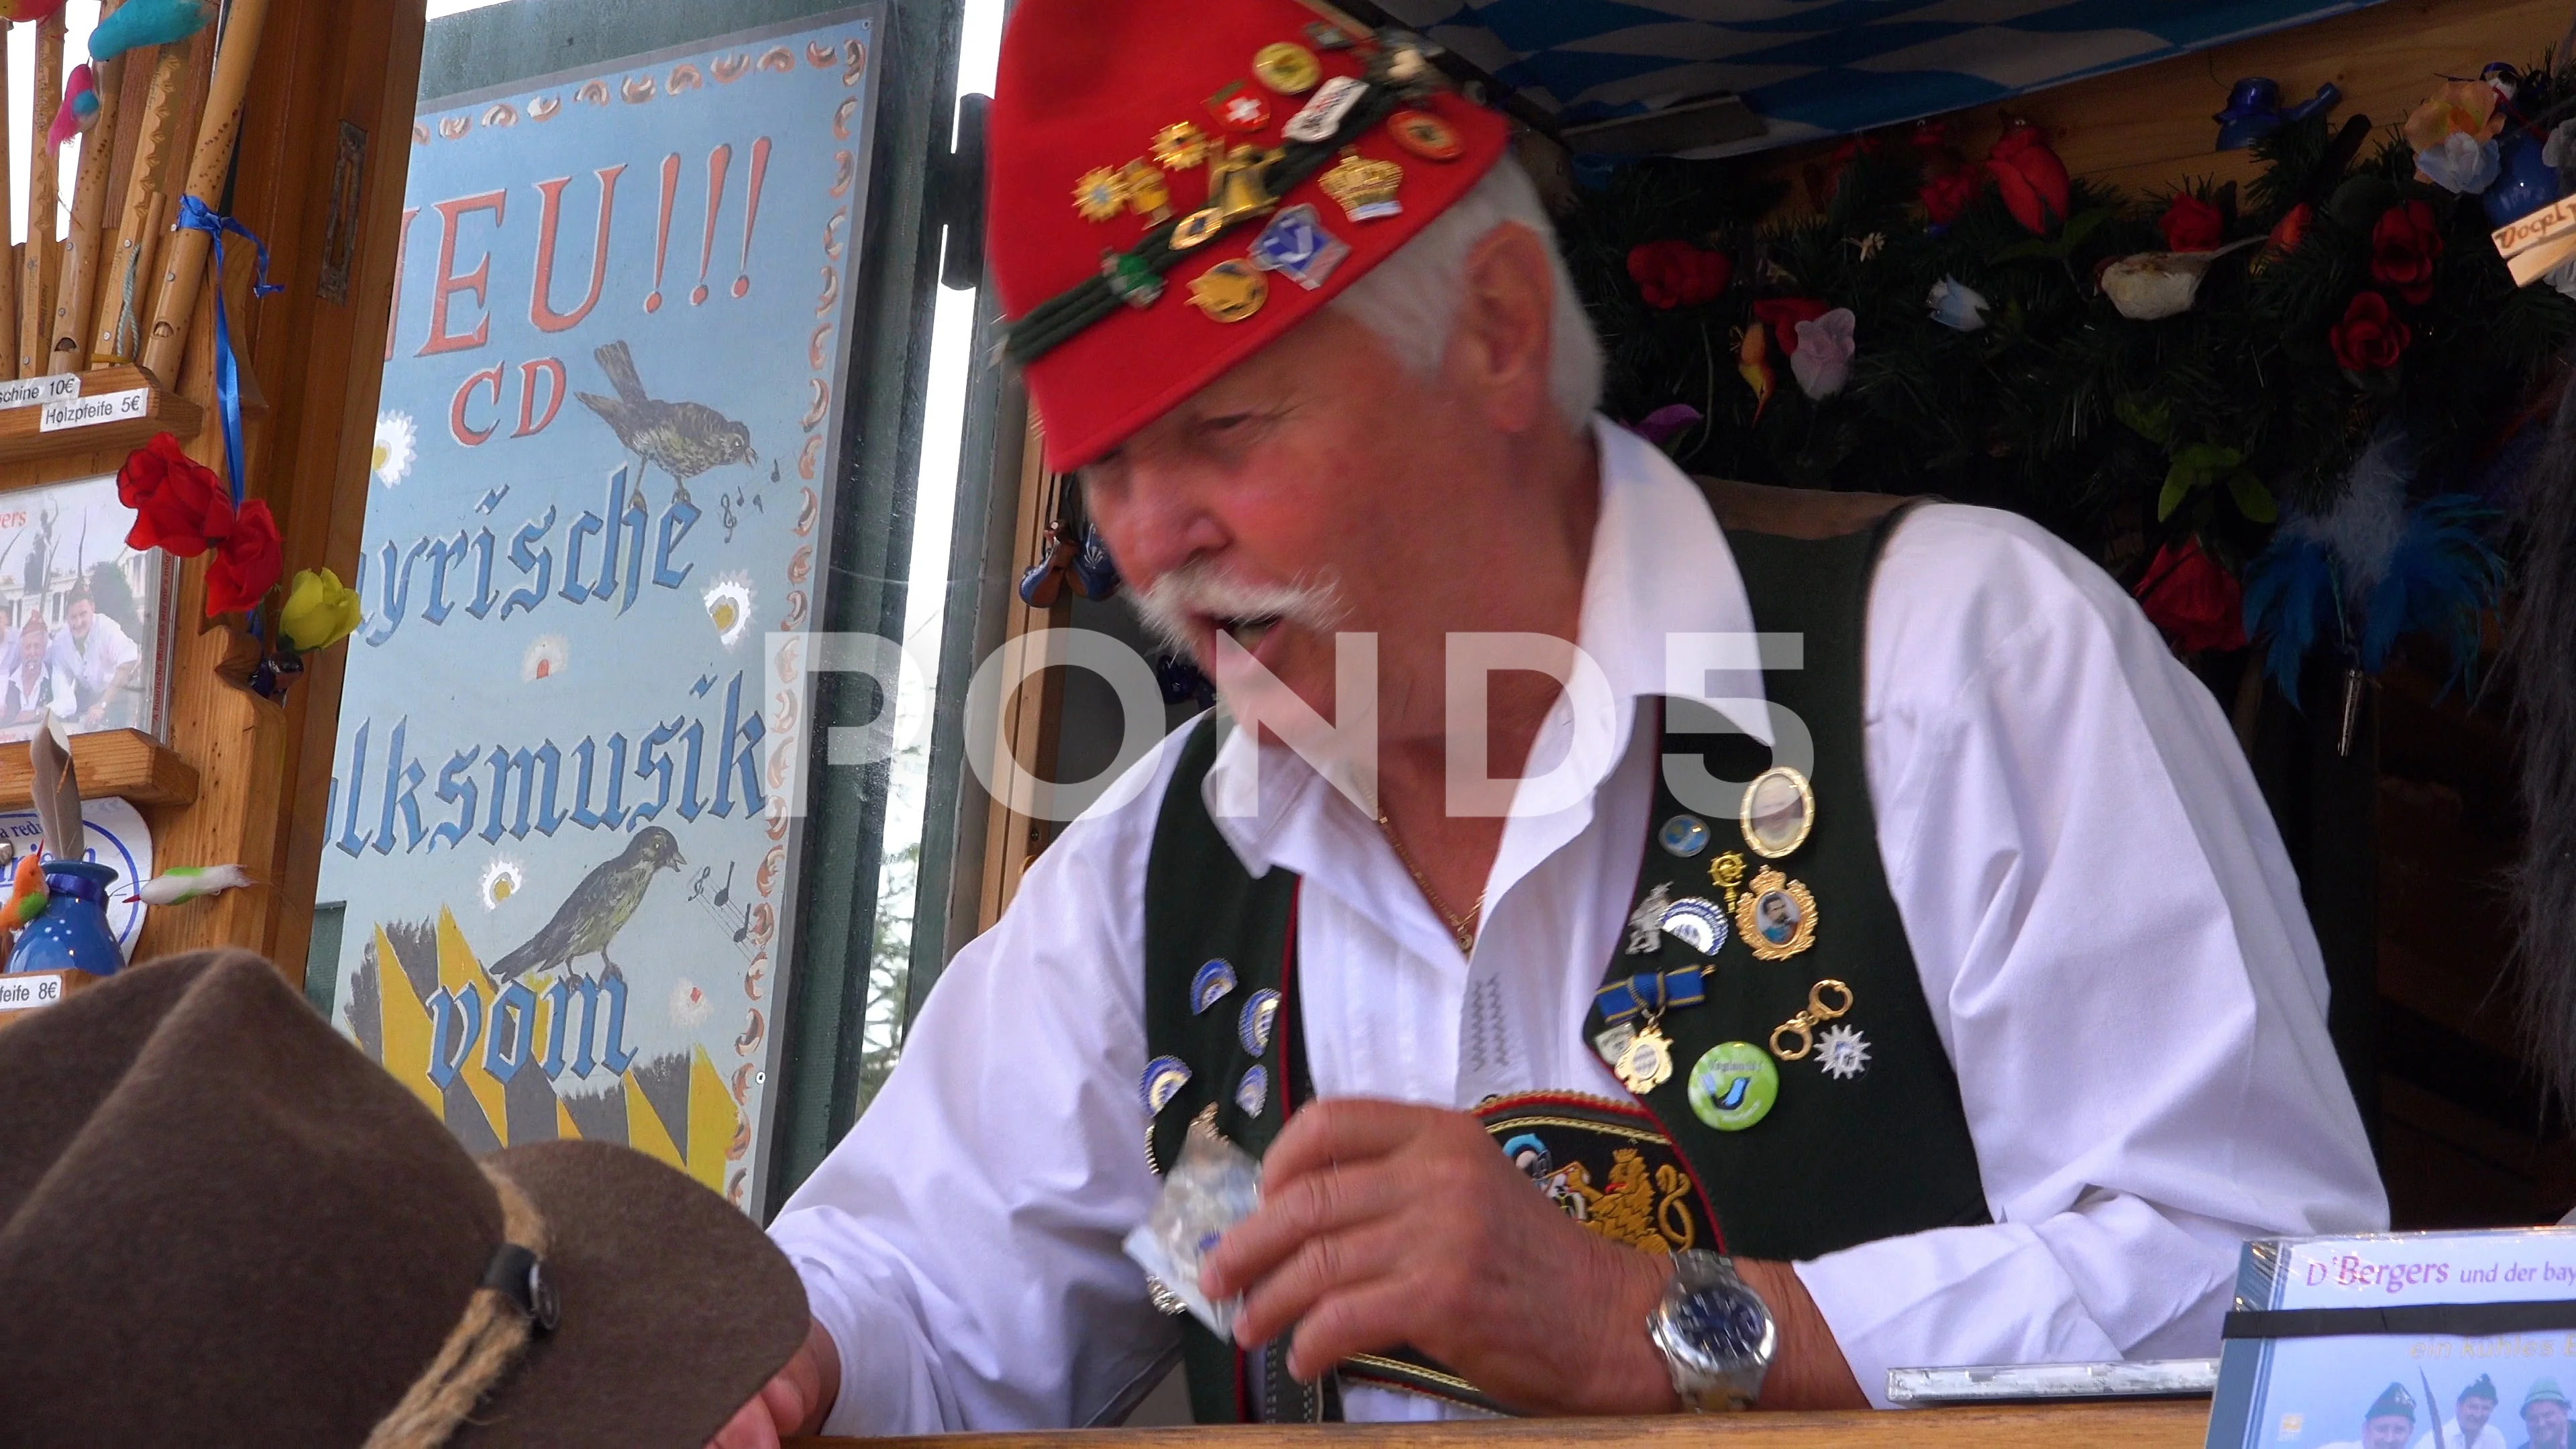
(1839, 1160)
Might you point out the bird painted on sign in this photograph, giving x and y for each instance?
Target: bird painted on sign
(683, 439)
(598, 908)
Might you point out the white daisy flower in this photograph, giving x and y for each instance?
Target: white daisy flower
(729, 608)
(546, 657)
(502, 880)
(397, 448)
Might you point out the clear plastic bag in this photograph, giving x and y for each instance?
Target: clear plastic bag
(1213, 1186)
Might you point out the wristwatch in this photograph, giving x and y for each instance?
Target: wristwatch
(1715, 1333)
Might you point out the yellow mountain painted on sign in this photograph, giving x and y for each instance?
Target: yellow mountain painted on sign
(402, 1025)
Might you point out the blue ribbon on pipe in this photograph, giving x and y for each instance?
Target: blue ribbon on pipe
(195, 215)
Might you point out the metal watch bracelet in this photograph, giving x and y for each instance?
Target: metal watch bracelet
(1715, 1333)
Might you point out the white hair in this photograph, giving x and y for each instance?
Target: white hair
(1411, 299)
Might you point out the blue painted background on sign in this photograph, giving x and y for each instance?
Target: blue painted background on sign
(1826, 67)
(596, 485)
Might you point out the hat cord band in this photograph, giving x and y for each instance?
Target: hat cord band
(1061, 318)
(483, 1346)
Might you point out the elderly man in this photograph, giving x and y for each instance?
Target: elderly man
(2469, 1427)
(2544, 1415)
(100, 659)
(1995, 1051)
(2390, 1419)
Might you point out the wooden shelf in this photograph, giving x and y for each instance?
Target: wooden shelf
(2097, 1426)
(128, 764)
(23, 437)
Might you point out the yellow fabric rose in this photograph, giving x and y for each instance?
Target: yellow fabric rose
(320, 611)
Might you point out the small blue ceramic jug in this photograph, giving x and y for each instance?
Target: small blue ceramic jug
(72, 934)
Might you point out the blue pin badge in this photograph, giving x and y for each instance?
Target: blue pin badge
(1164, 1078)
(1253, 1092)
(1209, 987)
(1296, 245)
(1683, 835)
(1253, 1027)
(1696, 923)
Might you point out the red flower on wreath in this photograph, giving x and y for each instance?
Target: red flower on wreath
(179, 504)
(2403, 248)
(2195, 602)
(1783, 314)
(2370, 338)
(2291, 233)
(1676, 274)
(246, 564)
(1947, 198)
(2033, 180)
(2192, 225)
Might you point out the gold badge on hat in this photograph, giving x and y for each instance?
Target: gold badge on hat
(1181, 146)
(1230, 291)
(1288, 68)
(1101, 194)
(1149, 194)
(1235, 191)
(1365, 189)
(1776, 916)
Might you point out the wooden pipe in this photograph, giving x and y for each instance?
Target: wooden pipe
(183, 268)
(66, 340)
(129, 259)
(36, 272)
(8, 272)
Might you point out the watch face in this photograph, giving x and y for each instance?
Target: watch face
(1726, 1323)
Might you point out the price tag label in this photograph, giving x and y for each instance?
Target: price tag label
(26, 993)
(38, 391)
(91, 412)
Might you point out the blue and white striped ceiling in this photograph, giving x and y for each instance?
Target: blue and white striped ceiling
(1815, 68)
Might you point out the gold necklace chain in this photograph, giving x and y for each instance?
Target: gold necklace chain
(1463, 927)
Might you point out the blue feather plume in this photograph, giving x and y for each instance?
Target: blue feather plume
(2291, 592)
(2443, 576)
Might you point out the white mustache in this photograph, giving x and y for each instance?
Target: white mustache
(1196, 590)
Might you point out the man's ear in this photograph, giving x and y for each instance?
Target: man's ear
(1501, 349)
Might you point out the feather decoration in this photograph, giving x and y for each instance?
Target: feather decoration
(2441, 577)
(2544, 706)
(140, 23)
(183, 883)
(2290, 593)
(58, 807)
(80, 107)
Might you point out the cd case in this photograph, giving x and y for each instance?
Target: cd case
(2468, 1336)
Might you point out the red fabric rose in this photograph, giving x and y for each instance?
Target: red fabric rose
(1947, 198)
(2192, 225)
(2033, 180)
(1676, 274)
(247, 562)
(179, 504)
(2195, 602)
(2370, 339)
(1783, 314)
(2403, 248)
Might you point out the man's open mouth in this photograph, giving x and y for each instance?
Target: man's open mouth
(1249, 632)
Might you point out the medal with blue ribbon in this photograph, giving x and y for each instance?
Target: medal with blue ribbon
(1647, 1060)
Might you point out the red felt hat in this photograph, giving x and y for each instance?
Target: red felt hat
(1107, 112)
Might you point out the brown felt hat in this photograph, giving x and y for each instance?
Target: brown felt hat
(222, 1224)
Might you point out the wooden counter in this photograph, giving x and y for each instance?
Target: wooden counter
(2092, 1426)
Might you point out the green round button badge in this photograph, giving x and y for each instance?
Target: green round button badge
(1733, 1086)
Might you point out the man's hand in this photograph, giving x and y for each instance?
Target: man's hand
(1382, 1225)
(793, 1402)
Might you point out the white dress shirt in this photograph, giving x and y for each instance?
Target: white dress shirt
(2109, 936)
(2489, 1437)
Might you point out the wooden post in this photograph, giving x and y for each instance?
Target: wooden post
(36, 272)
(66, 338)
(129, 261)
(184, 270)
